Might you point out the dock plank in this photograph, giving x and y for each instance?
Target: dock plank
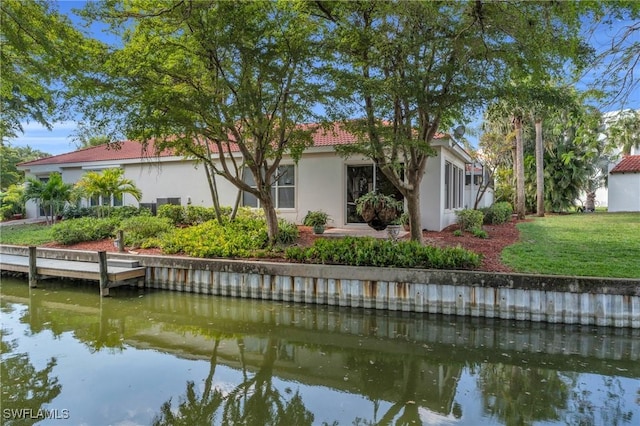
(69, 268)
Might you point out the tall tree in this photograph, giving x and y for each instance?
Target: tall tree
(10, 157)
(519, 169)
(623, 130)
(416, 67)
(41, 50)
(225, 83)
(613, 70)
(527, 104)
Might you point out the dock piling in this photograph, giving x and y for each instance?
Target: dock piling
(104, 276)
(33, 270)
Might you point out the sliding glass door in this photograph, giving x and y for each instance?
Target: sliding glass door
(362, 179)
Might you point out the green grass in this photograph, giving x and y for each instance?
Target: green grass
(591, 244)
(26, 235)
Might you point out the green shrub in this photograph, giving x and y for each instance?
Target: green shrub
(75, 212)
(83, 229)
(138, 229)
(479, 233)
(194, 215)
(469, 219)
(498, 213)
(173, 212)
(368, 251)
(12, 201)
(6, 212)
(287, 232)
(125, 212)
(240, 237)
(458, 233)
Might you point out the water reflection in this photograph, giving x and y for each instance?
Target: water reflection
(274, 363)
(23, 386)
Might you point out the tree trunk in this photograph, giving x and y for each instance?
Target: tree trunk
(413, 208)
(520, 200)
(590, 205)
(213, 188)
(271, 218)
(236, 205)
(539, 169)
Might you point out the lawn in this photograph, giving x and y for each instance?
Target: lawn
(591, 244)
(26, 235)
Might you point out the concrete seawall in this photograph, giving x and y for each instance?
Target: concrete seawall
(553, 299)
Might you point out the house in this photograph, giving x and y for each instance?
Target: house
(624, 185)
(619, 198)
(321, 180)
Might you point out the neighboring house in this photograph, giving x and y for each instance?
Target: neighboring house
(476, 179)
(603, 196)
(624, 185)
(321, 180)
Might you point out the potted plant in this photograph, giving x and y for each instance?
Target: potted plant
(378, 210)
(316, 219)
(394, 228)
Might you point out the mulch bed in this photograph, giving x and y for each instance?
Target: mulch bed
(500, 236)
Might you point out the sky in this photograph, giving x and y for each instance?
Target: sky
(59, 140)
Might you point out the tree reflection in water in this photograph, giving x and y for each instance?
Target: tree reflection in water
(254, 401)
(521, 396)
(24, 387)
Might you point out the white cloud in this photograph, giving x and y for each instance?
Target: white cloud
(54, 141)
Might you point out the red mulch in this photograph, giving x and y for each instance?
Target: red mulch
(500, 236)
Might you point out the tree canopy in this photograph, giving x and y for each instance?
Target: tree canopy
(411, 75)
(225, 83)
(41, 52)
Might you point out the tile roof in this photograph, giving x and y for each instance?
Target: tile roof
(131, 150)
(629, 164)
(125, 150)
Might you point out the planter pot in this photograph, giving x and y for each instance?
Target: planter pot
(368, 213)
(383, 213)
(394, 231)
(318, 229)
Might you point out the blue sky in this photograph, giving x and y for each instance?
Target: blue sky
(59, 139)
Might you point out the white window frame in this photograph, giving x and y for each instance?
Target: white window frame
(453, 186)
(275, 187)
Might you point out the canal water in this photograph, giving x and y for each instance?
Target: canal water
(165, 358)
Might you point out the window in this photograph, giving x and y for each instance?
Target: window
(478, 172)
(113, 201)
(453, 186)
(283, 188)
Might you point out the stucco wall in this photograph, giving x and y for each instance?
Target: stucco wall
(320, 184)
(432, 194)
(624, 192)
(432, 200)
(176, 179)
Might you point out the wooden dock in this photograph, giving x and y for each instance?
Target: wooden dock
(109, 273)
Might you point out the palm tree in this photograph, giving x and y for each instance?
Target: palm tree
(52, 194)
(110, 183)
(624, 131)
